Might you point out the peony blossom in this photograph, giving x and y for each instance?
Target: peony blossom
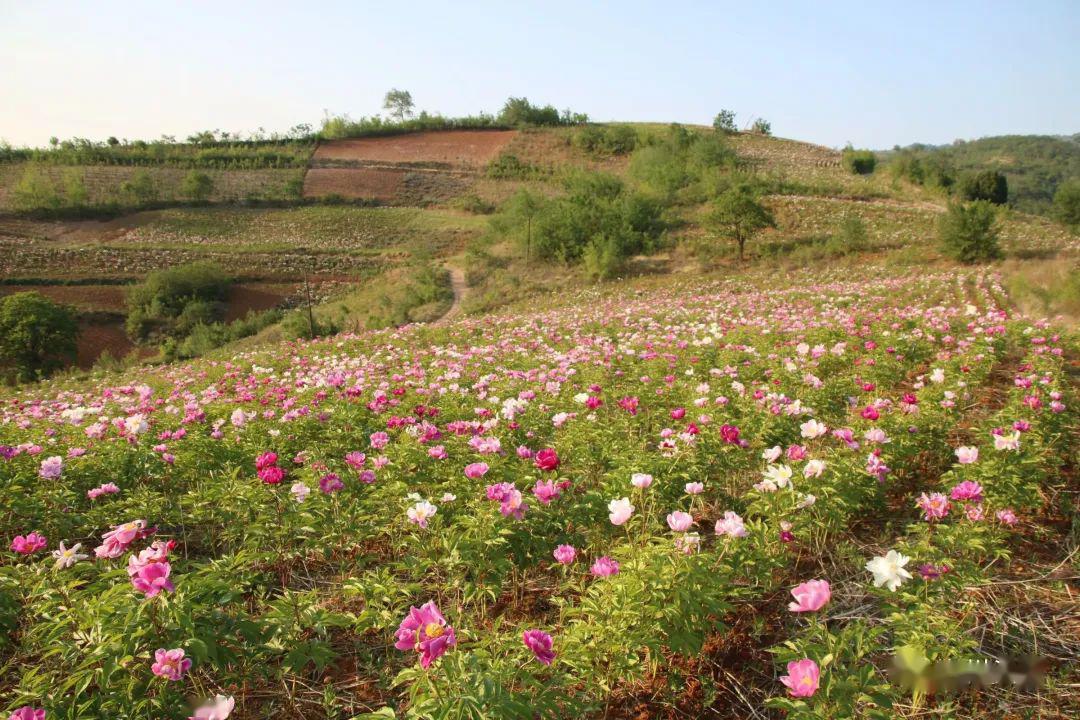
(26, 712)
(51, 467)
(967, 491)
(810, 596)
(813, 429)
(426, 631)
(935, 506)
(731, 525)
(28, 544)
(218, 708)
(170, 664)
(802, 678)
(641, 480)
(889, 570)
(546, 460)
(300, 491)
(694, 488)
(565, 554)
(421, 512)
(68, 556)
(965, 454)
(604, 566)
(540, 643)
(116, 541)
(150, 578)
(680, 521)
(475, 471)
(619, 511)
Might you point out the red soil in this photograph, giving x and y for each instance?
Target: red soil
(353, 183)
(243, 298)
(455, 147)
(82, 297)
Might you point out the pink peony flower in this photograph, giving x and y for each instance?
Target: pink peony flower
(547, 460)
(546, 491)
(474, 471)
(426, 631)
(355, 460)
(619, 511)
(694, 488)
(967, 491)
(330, 483)
(641, 480)
(170, 664)
(151, 578)
(810, 596)
(51, 467)
(965, 455)
(29, 544)
(217, 709)
(1006, 516)
(731, 525)
(604, 566)
(115, 542)
(27, 712)
(680, 521)
(934, 506)
(540, 643)
(802, 678)
(565, 554)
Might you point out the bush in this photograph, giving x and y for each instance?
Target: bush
(519, 111)
(508, 166)
(724, 122)
(197, 186)
(849, 239)
(173, 301)
(761, 126)
(606, 139)
(1067, 203)
(37, 336)
(139, 189)
(35, 191)
(473, 203)
(969, 232)
(859, 162)
(679, 159)
(988, 185)
(932, 171)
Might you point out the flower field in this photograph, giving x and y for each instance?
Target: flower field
(707, 498)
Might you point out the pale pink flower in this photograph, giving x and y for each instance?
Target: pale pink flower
(810, 596)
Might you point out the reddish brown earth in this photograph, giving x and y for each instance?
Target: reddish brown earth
(353, 183)
(244, 298)
(473, 148)
(96, 338)
(84, 297)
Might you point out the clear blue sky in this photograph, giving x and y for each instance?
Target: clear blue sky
(872, 73)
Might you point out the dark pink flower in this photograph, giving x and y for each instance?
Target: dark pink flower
(170, 664)
(540, 643)
(546, 460)
(426, 631)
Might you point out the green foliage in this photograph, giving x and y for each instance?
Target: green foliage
(761, 126)
(208, 150)
(139, 189)
(606, 139)
(679, 160)
(37, 336)
(398, 103)
(35, 190)
(737, 214)
(932, 171)
(859, 162)
(1067, 203)
(725, 122)
(508, 166)
(969, 232)
(518, 111)
(206, 336)
(342, 126)
(473, 203)
(173, 302)
(851, 238)
(197, 186)
(989, 185)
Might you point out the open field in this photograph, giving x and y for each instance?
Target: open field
(639, 477)
(457, 148)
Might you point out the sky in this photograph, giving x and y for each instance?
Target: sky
(872, 73)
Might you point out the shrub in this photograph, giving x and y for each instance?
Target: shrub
(197, 186)
(737, 215)
(988, 185)
(35, 191)
(859, 162)
(850, 238)
(1067, 203)
(606, 139)
(37, 336)
(139, 189)
(473, 203)
(761, 126)
(519, 111)
(932, 171)
(969, 232)
(680, 158)
(724, 122)
(173, 301)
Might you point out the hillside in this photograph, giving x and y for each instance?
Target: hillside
(1033, 164)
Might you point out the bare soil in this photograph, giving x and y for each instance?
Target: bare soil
(473, 148)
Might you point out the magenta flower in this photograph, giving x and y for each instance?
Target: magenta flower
(547, 460)
(810, 596)
(540, 643)
(330, 483)
(355, 460)
(967, 491)
(170, 664)
(27, 712)
(152, 578)
(265, 460)
(934, 506)
(379, 440)
(426, 631)
(565, 554)
(546, 491)
(475, 471)
(604, 566)
(116, 541)
(802, 678)
(28, 544)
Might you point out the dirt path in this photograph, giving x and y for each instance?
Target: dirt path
(457, 284)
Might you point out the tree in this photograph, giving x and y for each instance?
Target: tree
(524, 205)
(1067, 203)
(139, 189)
(197, 186)
(399, 103)
(724, 121)
(737, 215)
(761, 126)
(969, 232)
(37, 336)
(989, 185)
(859, 162)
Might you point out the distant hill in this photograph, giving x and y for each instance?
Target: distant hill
(1034, 164)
